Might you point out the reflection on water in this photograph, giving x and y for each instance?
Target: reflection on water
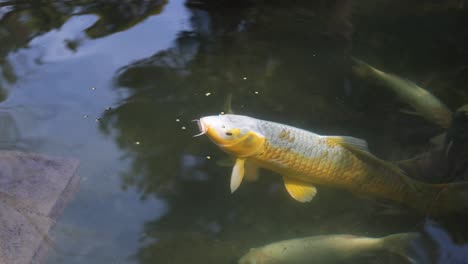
(117, 83)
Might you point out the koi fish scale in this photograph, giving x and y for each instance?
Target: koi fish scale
(306, 153)
(305, 159)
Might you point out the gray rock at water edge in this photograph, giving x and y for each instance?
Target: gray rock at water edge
(34, 190)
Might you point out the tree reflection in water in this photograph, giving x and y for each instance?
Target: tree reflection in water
(21, 21)
(282, 62)
(301, 79)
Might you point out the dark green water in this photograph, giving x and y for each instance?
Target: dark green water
(117, 83)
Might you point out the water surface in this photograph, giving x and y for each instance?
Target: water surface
(116, 85)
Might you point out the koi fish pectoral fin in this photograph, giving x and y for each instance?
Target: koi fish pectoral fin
(300, 191)
(237, 174)
(251, 171)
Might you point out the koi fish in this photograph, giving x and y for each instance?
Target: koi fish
(305, 159)
(424, 103)
(327, 249)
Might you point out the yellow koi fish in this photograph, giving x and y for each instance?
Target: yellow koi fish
(424, 103)
(328, 249)
(306, 159)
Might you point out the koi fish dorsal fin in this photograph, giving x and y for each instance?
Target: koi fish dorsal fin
(349, 142)
(369, 157)
(228, 104)
(300, 191)
(237, 174)
(361, 151)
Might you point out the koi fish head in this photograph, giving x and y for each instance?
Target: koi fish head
(234, 134)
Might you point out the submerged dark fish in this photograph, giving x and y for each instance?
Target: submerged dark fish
(327, 249)
(424, 103)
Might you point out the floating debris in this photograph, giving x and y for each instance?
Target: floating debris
(245, 78)
(183, 128)
(177, 120)
(222, 113)
(256, 92)
(208, 157)
(207, 94)
(137, 143)
(93, 88)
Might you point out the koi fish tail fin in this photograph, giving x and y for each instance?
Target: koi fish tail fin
(399, 244)
(448, 198)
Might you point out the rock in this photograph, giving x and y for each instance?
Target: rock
(34, 190)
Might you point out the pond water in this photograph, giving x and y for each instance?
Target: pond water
(116, 85)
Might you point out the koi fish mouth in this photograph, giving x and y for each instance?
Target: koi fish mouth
(206, 127)
(201, 127)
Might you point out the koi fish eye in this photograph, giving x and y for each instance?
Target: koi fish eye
(233, 132)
